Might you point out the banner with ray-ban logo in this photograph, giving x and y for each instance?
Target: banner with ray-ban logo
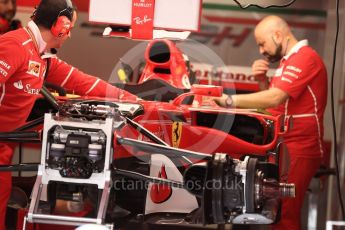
(142, 19)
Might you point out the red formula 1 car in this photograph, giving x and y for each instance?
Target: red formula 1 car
(110, 160)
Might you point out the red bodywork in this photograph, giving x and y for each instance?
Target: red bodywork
(165, 61)
(157, 119)
(161, 119)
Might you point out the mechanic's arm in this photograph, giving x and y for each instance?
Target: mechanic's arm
(261, 100)
(66, 76)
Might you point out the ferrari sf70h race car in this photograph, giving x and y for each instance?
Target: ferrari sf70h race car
(107, 160)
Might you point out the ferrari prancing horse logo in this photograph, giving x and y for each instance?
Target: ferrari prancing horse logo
(176, 134)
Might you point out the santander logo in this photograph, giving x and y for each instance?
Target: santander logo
(160, 192)
(18, 85)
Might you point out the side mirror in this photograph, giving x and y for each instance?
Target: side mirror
(198, 91)
(207, 90)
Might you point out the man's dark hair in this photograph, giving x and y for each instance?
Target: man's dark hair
(48, 11)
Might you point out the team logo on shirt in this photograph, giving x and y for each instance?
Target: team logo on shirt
(4, 67)
(34, 68)
(18, 85)
(26, 88)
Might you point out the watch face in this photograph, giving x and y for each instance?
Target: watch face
(228, 101)
(263, 3)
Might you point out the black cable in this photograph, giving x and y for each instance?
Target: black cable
(333, 113)
(19, 167)
(20, 135)
(263, 7)
(31, 124)
(60, 90)
(49, 97)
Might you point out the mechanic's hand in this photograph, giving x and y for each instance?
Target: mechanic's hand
(206, 101)
(221, 101)
(259, 69)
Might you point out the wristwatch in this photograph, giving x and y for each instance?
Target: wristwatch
(228, 101)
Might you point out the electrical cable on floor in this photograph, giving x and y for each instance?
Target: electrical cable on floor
(333, 113)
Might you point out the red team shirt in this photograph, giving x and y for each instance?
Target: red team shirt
(302, 75)
(22, 71)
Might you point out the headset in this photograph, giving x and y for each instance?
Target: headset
(63, 24)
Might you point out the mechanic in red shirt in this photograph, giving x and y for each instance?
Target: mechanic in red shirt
(23, 64)
(298, 89)
(7, 12)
